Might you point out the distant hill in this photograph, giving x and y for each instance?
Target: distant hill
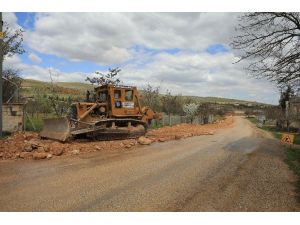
(32, 87)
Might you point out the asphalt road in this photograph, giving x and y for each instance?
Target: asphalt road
(237, 169)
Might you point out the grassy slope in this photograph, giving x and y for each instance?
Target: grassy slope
(64, 88)
(76, 88)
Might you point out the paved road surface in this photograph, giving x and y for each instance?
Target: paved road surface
(237, 169)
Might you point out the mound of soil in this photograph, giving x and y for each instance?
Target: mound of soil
(185, 130)
(28, 145)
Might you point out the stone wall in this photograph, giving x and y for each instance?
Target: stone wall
(13, 117)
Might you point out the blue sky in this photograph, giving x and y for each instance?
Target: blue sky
(185, 53)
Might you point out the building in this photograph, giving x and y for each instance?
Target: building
(13, 117)
(295, 111)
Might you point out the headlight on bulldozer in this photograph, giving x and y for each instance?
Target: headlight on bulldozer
(102, 109)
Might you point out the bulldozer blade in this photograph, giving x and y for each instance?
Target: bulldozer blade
(56, 129)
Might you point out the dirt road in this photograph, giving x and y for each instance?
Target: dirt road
(237, 169)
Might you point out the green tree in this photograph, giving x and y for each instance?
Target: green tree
(11, 45)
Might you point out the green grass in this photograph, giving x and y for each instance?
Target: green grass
(156, 125)
(34, 124)
(292, 159)
(5, 134)
(63, 89)
(291, 153)
(218, 117)
(252, 119)
(275, 133)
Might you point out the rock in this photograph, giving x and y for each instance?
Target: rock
(58, 151)
(39, 155)
(49, 156)
(46, 148)
(34, 144)
(17, 155)
(128, 142)
(40, 149)
(25, 155)
(98, 148)
(211, 133)
(144, 141)
(75, 152)
(128, 146)
(187, 135)
(177, 137)
(1, 154)
(161, 139)
(27, 147)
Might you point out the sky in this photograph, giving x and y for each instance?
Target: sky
(185, 53)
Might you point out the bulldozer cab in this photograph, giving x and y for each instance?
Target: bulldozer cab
(119, 100)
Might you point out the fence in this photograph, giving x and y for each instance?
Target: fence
(176, 119)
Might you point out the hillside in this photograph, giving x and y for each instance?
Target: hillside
(31, 87)
(76, 89)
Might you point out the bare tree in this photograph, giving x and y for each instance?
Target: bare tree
(270, 43)
(171, 104)
(205, 110)
(59, 105)
(11, 85)
(249, 112)
(284, 103)
(150, 97)
(103, 79)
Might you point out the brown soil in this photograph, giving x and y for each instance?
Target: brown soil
(185, 130)
(25, 145)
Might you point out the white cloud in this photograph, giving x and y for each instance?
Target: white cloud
(11, 19)
(34, 58)
(185, 73)
(202, 74)
(107, 38)
(40, 73)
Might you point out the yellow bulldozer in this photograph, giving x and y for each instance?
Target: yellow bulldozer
(115, 113)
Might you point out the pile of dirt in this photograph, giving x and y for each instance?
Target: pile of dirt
(187, 130)
(28, 145)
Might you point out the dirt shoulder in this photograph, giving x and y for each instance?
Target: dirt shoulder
(236, 169)
(28, 145)
(259, 180)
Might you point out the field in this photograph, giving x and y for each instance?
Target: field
(65, 89)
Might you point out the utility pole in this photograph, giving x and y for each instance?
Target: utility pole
(1, 62)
